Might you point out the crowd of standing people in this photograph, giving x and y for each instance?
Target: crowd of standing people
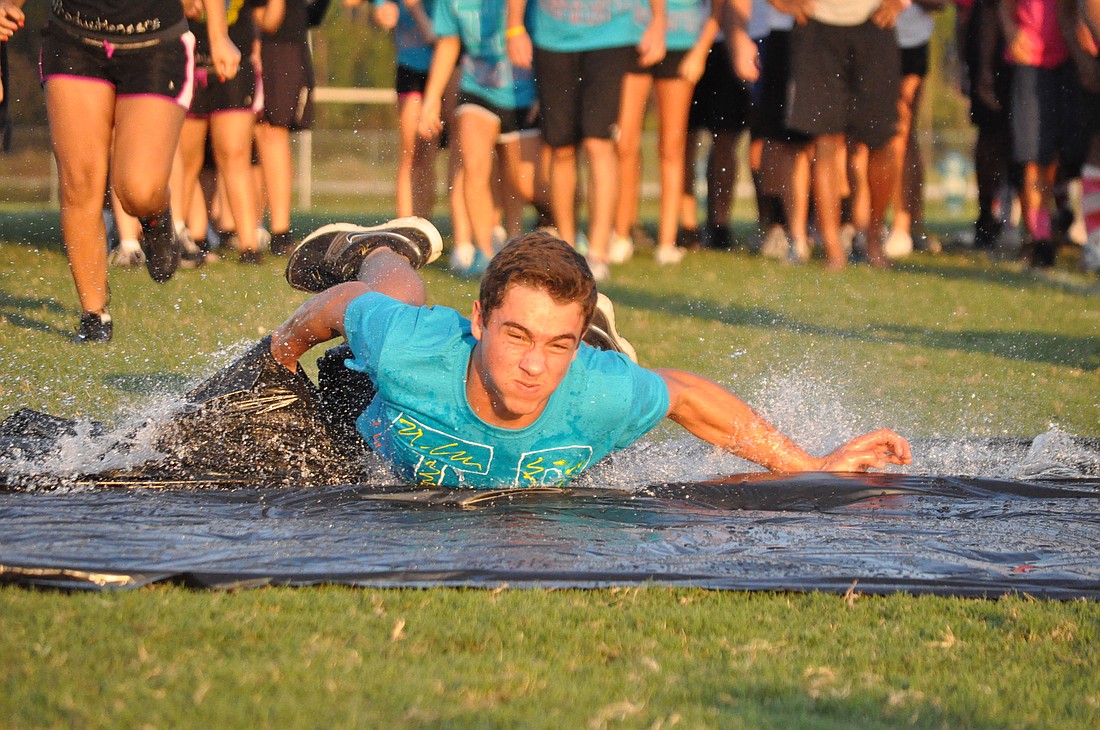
(534, 96)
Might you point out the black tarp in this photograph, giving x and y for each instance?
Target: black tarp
(244, 484)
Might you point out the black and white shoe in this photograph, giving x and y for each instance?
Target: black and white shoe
(95, 327)
(333, 254)
(602, 334)
(160, 246)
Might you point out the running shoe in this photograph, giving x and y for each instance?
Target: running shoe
(251, 257)
(622, 249)
(800, 251)
(669, 255)
(776, 245)
(333, 254)
(160, 246)
(898, 245)
(191, 254)
(95, 327)
(602, 334)
(1090, 252)
(600, 270)
(462, 257)
(127, 253)
(688, 238)
(718, 236)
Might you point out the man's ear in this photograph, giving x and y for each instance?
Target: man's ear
(476, 325)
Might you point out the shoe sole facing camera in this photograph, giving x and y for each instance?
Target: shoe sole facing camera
(332, 254)
(602, 333)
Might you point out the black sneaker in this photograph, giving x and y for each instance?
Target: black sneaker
(160, 246)
(252, 257)
(718, 236)
(191, 254)
(688, 238)
(602, 334)
(281, 243)
(333, 254)
(95, 327)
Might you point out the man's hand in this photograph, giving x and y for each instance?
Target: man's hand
(521, 52)
(801, 10)
(871, 451)
(651, 48)
(226, 57)
(887, 14)
(385, 15)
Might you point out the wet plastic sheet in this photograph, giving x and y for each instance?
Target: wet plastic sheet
(941, 535)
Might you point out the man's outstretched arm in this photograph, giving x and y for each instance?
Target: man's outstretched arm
(319, 319)
(717, 416)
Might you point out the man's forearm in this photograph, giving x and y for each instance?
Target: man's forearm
(319, 319)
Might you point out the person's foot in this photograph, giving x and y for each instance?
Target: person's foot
(160, 246)
(1090, 253)
(800, 251)
(127, 253)
(95, 327)
(621, 250)
(282, 243)
(250, 256)
(602, 334)
(600, 270)
(669, 255)
(898, 245)
(719, 236)
(476, 267)
(1042, 254)
(333, 254)
(462, 257)
(191, 254)
(776, 245)
(688, 238)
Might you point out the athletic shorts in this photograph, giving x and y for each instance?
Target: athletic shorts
(667, 68)
(213, 95)
(845, 80)
(410, 81)
(914, 61)
(721, 101)
(579, 92)
(288, 85)
(514, 123)
(158, 68)
(1041, 112)
(769, 113)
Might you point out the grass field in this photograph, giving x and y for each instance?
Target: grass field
(951, 345)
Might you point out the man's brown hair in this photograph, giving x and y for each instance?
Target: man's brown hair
(541, 261)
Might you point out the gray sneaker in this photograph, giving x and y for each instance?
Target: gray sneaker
(333, 254)
(601, 332)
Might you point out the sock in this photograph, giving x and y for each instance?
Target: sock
(1090, 197)
(1038, 223)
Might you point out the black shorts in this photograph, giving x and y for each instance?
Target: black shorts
(721, 101)
(213, 95)
(914, 61)
(288, 85)
(579, 92)
(667, 68)
(845, 80)
(769, 114)
(514, 123)
(1044, 112)
(160, 68)
(410, 81)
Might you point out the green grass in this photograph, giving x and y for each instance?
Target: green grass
(950, 345)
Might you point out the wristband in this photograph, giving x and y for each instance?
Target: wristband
(514, 31)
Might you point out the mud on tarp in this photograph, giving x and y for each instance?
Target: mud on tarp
(259, 479)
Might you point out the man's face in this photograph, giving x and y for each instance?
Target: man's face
(524, 350)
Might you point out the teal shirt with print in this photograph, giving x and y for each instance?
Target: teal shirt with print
(486, 70)
(570, 26)
(421, 422)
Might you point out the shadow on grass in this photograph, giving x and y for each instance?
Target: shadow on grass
(995, 273)
(17, 311)
(1062, 350)
(39, 228)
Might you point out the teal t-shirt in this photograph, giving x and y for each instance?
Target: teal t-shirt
(587, 25)
(413, 49)
(486, 70)
(684, 23)
(421, 422)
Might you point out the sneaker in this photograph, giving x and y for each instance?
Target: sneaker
(898, 245)
(462, 257)
(477, 265)
(622, 249)
(688, 238)
(602, 334)
(1042, 253)
(281, 243)
(582, 244)
(600, 270)
(263, 238)
(252, 257)
(776, 245)
(95, 327)
(127, 253)
(191, 254)
(160, 246)
(848, 235)
(500, 238)
(669, 255)
(718, 236)
(1090, 252)
(800, 251)
(333, 254)
(640, 237)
